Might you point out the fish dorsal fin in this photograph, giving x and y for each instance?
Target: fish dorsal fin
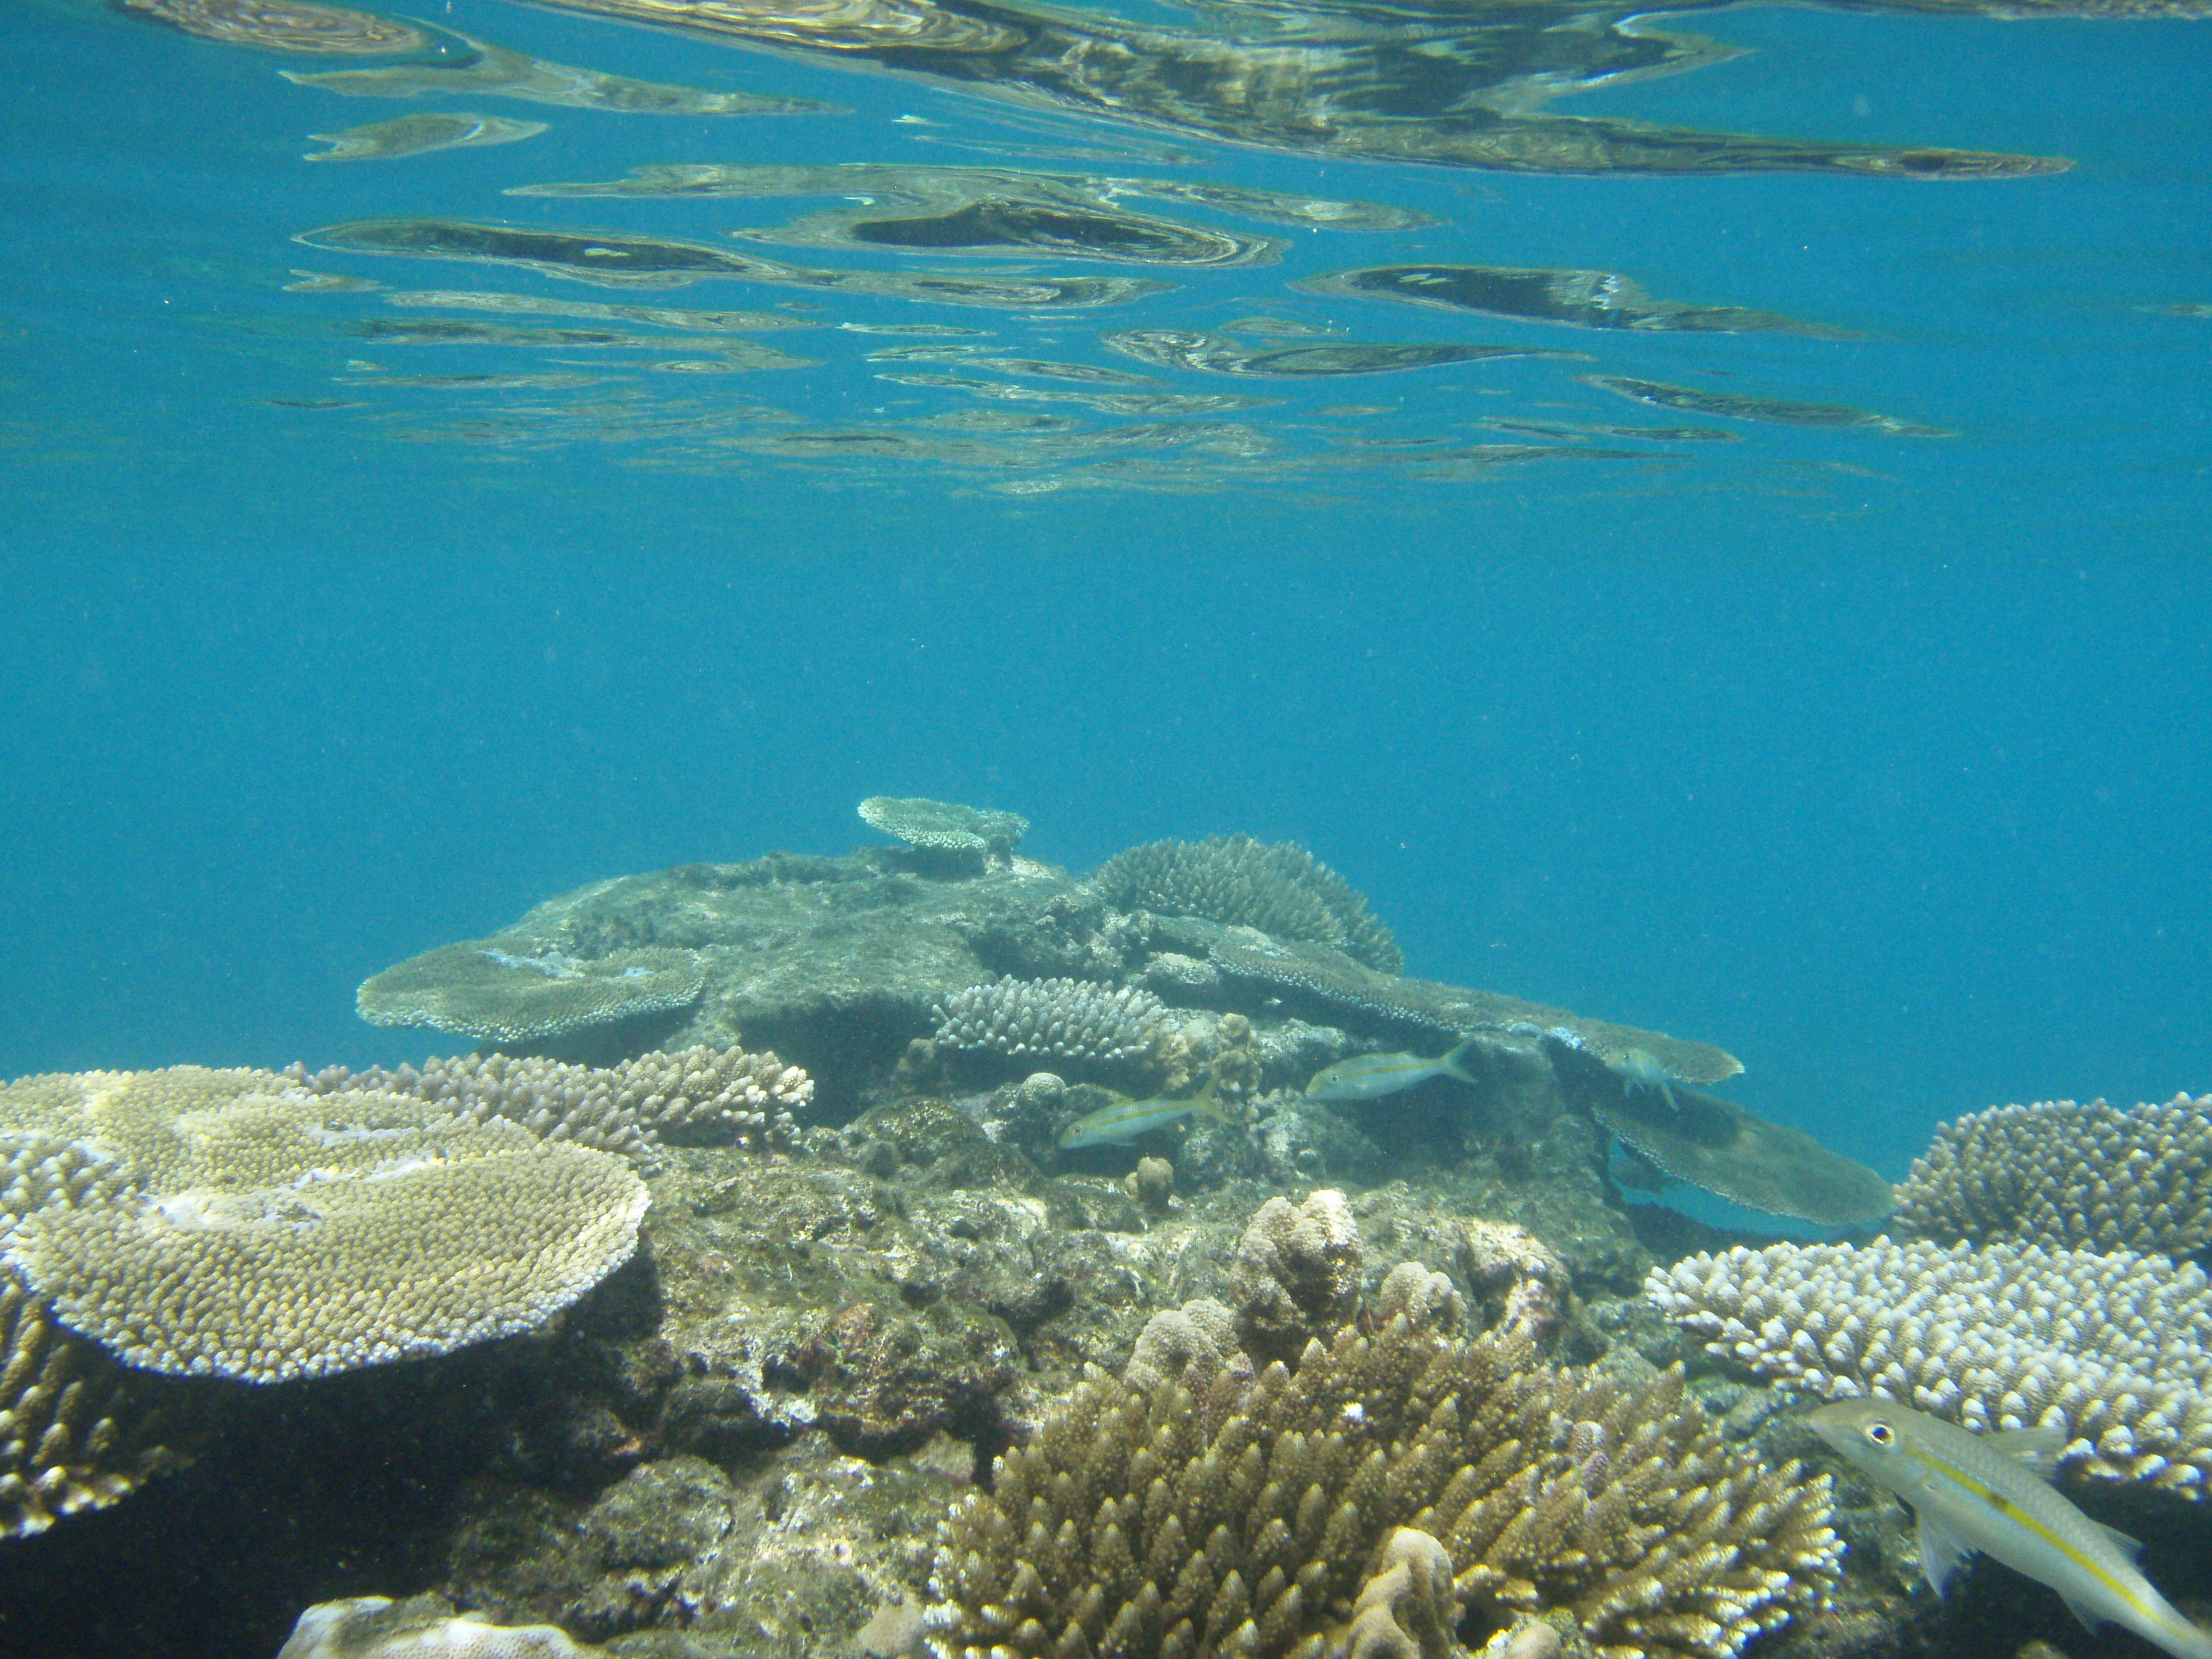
(1943, 1552)
(2131, 1547)
(2031, 1448)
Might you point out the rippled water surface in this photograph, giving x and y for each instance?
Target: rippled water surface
(1698, 513)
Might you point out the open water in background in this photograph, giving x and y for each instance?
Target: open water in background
(1879, 758)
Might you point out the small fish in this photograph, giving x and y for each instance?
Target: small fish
(1123, 1121)
(1370, 1077)
(1639, 1068)
(1990, 1492)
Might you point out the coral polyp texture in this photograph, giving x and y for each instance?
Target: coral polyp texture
(1281, 890)
(77, 1431)
(2068, 1177)
(1225, 1513)
(2115, 1348)
(520, 990)
(267, 1233)
(1051, 1018)
(696, 1094)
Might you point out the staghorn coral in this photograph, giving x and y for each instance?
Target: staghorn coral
(1297, 1273)
(1282, 890)
(2117, 1348)
(973, 833)
(519, 990)
(1054, 1018)
(1222, 1513)
(77, 1431)
(270, 1234)
(2068, 1177)
(691, 1095)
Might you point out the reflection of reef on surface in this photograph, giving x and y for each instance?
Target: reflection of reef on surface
(1455, 86)
(1586, 299)
(296, 25)
(1001, 210)
(420, 135)
(1217, 354)
(618, 261)
(487, 70)
(1736, 407)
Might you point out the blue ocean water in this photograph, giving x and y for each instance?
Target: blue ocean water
(1868, 742)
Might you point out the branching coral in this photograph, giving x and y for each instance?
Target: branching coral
(2069, 1177)
(1297, 1273)
(1282, 890)
(1052, 1018)
(1222, 1513)
(696, 1094)
(2117, 1348)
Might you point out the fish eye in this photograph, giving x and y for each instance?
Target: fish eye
(1880, 1433)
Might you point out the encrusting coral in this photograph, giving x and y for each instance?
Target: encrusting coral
(1220, 1512)
(1281, 890)
(2117, 1348)
(1052, 1018)
(519, 990)
(696, 1094)
(2068, 1177)
(268, 1233)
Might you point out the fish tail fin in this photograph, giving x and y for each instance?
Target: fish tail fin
(1210, 1106)
(1454, 1063)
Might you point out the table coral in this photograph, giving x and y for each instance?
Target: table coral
(520, 990)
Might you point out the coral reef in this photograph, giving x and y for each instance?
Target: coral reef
(421, 1627)
(77, 1431)
(2068, 1177)
(1222, 1512)
(269, 1233)
(1283, 890)
(2117, 1348)
(513, 989)
(694, 1095)
(1051, 1019)
(970, 834)
(1297, 1273)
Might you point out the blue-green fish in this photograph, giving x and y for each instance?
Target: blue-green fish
(1988, 1492)
(1370, 1077)
(1122, 1120)
(1639, 1068)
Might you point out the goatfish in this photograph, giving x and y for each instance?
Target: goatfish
(1991, 1493)
(1121, 1121)
(1370, 1077)
(1639, 1068)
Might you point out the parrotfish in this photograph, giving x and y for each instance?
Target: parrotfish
(1990, 1492)
(1122, 1120)
(1370, 1077)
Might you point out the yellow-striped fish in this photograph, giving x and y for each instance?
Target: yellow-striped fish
(1988, 1492)
(1370, 1077)
(1122, 1120)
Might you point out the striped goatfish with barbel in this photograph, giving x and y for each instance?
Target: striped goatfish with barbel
(1991, 1493)
(1370, 1077)
(1121, 1121)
